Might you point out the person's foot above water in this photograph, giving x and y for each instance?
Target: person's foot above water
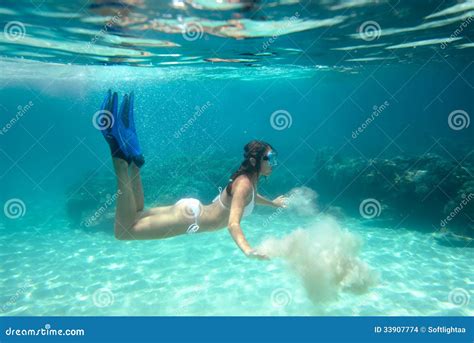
(127, 130)
(111, 130)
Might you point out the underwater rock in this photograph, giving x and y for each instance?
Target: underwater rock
(419, 189)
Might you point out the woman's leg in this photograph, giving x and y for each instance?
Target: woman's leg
(162, 222)
(131, 223)
(137, 187)
(126, 209)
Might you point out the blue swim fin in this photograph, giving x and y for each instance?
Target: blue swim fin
(127, 131)
(110, 130)
(105, 103)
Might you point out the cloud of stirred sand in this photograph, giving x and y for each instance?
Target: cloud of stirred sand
(324, 255)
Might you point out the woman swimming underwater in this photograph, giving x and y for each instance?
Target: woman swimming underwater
(188, 215)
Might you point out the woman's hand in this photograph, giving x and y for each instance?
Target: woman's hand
(255, 254)
(281, 201)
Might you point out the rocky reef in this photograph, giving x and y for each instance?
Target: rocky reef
(429, 190)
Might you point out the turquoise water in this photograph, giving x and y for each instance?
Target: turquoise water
(309, 92)
(206, 275)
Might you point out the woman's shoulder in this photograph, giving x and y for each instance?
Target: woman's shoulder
(242, 184)
(243, 181)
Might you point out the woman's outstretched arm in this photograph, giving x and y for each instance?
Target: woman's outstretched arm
(277, 202)
(241, 190)
(261, 200)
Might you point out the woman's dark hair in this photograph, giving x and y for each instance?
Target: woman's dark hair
(255, 149)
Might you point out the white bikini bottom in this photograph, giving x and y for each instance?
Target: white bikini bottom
(193, 210)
